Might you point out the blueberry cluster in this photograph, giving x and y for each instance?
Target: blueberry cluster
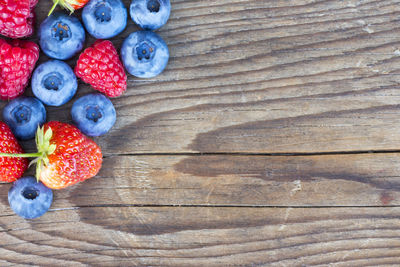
(144, 54)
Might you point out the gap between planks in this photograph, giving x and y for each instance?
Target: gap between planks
(294, 154)
(222, 206)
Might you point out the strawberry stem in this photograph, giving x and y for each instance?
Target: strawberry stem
(53, 7)
(44, 147)
(26, 155)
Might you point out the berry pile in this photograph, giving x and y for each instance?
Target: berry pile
(65, 155)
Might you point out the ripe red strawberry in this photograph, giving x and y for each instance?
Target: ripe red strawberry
(70, 5)
(17, 60)
(11, 168)
(99, 65)
(17, 17)
(67, 156)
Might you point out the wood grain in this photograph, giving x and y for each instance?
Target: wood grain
(264, 77)
(232, 180)
(199, 236)
(190, 174)
(331, 180)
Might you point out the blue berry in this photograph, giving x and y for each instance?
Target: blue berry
(144, 54)
(150, 14)
(28, 198)
(93, 114)
(61, 36)
(23, 115)
(54, 83)
(104, 19)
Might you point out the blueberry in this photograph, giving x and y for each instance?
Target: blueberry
(28, 198)
(23, 115)
(61, 36)
(93, 114)
(104, 19)
(150, 14)
(144, 54)
(54, 83)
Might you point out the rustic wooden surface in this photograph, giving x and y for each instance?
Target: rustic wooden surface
(271, 139)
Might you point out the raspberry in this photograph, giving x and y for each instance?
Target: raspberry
(17, 17)
(17, 60)
(11, 169)
(99, 65)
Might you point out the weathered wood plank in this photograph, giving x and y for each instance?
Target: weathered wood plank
(264, 76)
(244, 76)
(194, 236)
(330, 180)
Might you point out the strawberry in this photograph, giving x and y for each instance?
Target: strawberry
(17, 60)
(11, 168)
(17, 17)
(99, 65)
(70, 5)
(65, 156)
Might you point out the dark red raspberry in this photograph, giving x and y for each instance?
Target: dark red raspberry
(17, 60)
(17, 17)
(99, 66)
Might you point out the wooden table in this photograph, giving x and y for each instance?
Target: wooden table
(271, 139)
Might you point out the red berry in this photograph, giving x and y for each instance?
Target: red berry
(10, 168)
(17, 60)
(17, 17)
(75, 158)
(99, 65)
